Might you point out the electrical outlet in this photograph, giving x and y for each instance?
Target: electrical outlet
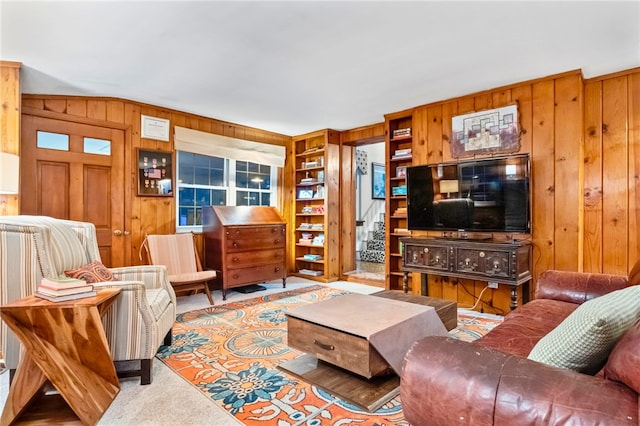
(493, 284)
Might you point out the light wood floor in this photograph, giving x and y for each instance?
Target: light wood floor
(368, 272)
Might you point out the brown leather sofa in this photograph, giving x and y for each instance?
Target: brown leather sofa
(491, 382)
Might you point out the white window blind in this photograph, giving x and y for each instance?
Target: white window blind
(223, 146)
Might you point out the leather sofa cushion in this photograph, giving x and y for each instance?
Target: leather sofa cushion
(624, 359)
(582, 341)
(525, 326)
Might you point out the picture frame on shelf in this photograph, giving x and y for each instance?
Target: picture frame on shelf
(155, 173)
(305, 194)
(401, 172)
(378, 181)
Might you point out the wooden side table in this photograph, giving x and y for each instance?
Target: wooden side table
(65, 345)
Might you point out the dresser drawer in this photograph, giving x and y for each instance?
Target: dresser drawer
(255, 238)
(336, 347)
(254, 274)
(258, 257)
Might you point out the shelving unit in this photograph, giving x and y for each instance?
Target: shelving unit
(317, 206)
(399, 142)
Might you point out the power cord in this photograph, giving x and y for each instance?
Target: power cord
(501, 312)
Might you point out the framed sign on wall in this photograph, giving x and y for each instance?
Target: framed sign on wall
(155, 173)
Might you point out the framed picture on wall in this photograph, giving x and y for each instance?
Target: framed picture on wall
(155, 173)
(378, 178)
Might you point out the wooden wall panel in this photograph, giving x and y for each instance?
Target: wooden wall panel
(615, 189)
(593, 238)
(10, 124)
(144, 215)
(634, 167)
(543, 177)
(568, 173)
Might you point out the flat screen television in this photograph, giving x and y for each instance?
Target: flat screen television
(480, 195)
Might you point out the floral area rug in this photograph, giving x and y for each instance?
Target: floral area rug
(231, 353)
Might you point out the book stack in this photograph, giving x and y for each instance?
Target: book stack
(399, 133)
(61, 289)
(402, 153)
(399, 190)
(314, 257)
(310, 272)
(400, 212)
(306, 238)
(318, 240)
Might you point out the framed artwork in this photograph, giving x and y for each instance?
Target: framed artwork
(494, 131)
(155, 173)
(378, 178)
(154, 128)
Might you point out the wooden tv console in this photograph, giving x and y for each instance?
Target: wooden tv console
(486, 260)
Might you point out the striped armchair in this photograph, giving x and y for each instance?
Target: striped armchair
(138, 323)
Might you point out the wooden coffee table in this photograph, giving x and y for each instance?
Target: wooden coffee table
(447, 310)
(355, 344)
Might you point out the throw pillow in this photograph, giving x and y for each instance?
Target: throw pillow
(94, 272)
(582, 341)
(624, 359)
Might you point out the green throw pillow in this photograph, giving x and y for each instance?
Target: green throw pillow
(582, 341)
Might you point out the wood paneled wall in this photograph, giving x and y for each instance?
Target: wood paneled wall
(144, 215)
(583, 139)
(9, 124)
(612, 173)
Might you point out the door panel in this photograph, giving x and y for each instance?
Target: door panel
(72, 184)
(53, 192)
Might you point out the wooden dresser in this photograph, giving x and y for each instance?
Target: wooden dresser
(245, 244)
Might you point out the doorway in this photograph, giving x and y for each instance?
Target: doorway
(370, 220)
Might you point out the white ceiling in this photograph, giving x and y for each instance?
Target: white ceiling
(296, 66)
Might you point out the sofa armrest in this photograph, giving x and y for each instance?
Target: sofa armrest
(576, 287)
(446, 381)
(153, 276)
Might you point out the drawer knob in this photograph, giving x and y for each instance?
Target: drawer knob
(426, 250)
(274, 230)
(481, 254)
(235, 244)
(276, 242)
(277, 269)
(276, 254)
(235, 259)
(323, 345)
(235, 276)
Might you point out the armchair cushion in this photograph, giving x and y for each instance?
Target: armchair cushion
(159, 301)
(94, 272)
(582, 341)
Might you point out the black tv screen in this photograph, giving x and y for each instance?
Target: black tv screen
(480, 195)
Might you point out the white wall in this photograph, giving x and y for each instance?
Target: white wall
(368, 209)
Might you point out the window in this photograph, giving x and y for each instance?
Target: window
(97, 146)
(205, 181)
(253, 184)
(52, 141)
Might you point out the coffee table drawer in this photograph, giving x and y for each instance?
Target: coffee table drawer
(345, 350)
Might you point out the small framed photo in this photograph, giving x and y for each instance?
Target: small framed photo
(305, 194)
(155, 173)
(401, 172)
